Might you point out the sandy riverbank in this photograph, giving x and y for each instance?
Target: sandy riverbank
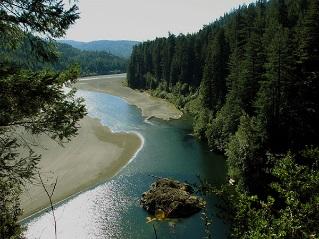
(94, 155)
(114, 85)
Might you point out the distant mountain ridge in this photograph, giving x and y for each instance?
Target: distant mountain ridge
(121, 48)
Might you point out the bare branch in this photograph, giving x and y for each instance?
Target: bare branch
(155, 231)
(50, 199)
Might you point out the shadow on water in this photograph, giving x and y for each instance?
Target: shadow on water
(111, 209)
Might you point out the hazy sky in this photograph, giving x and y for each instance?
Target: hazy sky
(145, 19)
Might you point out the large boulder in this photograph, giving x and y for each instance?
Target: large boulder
(171, 198)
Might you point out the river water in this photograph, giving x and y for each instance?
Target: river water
(111, 209)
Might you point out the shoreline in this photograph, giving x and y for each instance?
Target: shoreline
(108, 152)
(96, 152)
(113, 85)
(55, 204)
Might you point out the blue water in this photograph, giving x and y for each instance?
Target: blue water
(111, 209)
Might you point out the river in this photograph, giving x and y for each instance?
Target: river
(111, 209)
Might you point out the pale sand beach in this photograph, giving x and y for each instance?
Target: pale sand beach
(96, 154)
(114, 85)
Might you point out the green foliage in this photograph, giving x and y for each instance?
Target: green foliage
(31, 101)
(9, 210)
(57, 56)
(213, 85)
(37, 102)
(292, 211)
(201, 119)
(224, 125)
(90, 62)
(243, 151)
(253, 82)
(150, 81)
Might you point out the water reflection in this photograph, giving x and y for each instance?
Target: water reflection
(112, 210)
(120, 115)
(92, 214)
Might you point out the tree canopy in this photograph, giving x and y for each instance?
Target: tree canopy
(251, 81)
(90, 62)
(31, 100)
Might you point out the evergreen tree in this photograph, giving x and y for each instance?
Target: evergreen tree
(30, 100)
(253, 85)
(307, 101)
(168, 53)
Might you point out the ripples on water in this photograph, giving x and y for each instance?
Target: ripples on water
(111, 210)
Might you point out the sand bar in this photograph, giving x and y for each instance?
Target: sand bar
(94, 155)
(115, 85)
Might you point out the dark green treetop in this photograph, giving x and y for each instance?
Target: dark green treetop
(253, 93)
(32, 101)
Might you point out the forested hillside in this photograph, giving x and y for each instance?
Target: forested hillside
(251, 80)
(90, 62)
(121, 48)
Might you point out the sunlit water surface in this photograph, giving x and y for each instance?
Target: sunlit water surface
(111, 209)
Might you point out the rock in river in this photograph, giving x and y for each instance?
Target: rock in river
(171, 198)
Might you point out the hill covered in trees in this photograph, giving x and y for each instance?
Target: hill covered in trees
(121, 48)
(89, 62)
(251, 80)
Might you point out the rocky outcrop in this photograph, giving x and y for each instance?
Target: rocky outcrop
(171, 198)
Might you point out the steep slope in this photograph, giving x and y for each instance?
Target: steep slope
(91, 62)
(251, 79)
